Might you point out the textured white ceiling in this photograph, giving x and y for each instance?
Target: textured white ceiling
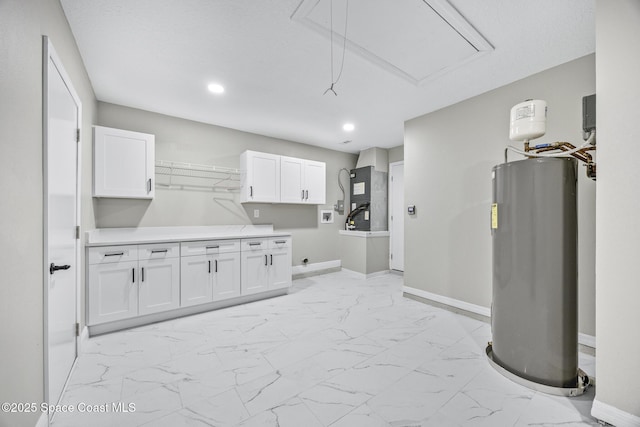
(416, 40)
(159, 55)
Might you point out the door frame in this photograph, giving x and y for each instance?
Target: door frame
(391, 211)
(49, 53)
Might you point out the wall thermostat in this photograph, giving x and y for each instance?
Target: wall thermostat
(411, 209)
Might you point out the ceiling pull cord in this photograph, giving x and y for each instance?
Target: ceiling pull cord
(344, 45)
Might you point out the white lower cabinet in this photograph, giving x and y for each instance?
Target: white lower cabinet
(134, 280)
(254, 275)
(159, 286)
(210, 271)
(113, 293)
(226, 276)
(266, 264)
(195, 280)
(279, 269)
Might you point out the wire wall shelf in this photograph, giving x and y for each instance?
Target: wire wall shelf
(182, 175)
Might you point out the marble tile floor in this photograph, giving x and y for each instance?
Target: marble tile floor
(337, 351)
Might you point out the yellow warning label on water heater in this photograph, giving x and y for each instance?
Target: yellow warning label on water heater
(494, 215)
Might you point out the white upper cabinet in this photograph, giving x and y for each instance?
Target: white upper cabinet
(302, 181)
(297, 180)
(291, 180)
(315, 182)
(260, 177)
(123, 163)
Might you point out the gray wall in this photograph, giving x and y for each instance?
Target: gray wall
(187, 141)
(22, 24)
(618, 208)
(396, 154)
(448, 159)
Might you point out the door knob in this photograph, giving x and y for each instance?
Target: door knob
(53, 268)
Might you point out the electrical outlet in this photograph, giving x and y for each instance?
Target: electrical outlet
(256, 213)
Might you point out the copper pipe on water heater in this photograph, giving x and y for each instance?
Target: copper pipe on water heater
(580, 155)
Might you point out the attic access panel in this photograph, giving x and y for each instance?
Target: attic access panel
(417, 40)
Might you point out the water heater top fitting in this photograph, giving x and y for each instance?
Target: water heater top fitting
(528, 120)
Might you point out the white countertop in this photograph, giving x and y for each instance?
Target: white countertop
(136, 235)
(356, 233)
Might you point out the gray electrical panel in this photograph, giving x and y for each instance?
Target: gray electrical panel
(368, 197)
(534, 314)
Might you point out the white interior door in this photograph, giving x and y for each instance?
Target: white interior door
(396, 216)
(61, 129)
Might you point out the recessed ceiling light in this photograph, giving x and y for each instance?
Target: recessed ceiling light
(215, 88)
(348, 127)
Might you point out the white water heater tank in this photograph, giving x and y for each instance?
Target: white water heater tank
(528, 120)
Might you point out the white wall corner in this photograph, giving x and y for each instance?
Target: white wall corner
(613, 415)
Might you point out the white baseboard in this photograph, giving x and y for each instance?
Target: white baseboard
(365, 276)
(613, 415)
(473, 308)
(588, 340)
(316, 266)
(584, 339)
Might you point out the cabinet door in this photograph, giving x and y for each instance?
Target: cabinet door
(279, 269)
(260, 177)
(123, 163)
(315, 182)
(159, 286)
(226, 276)
(254, 272)
(113, 291)
(292, 180)
(195, 283)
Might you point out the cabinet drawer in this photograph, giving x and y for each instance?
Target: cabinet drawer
(280, 243)
(158, 251)
(251, 245)
(209, 247)
(110, 254)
